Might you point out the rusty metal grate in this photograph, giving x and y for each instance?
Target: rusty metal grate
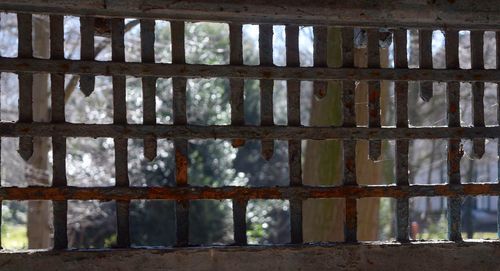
(180, 132)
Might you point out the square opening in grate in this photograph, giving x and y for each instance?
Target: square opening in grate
(90, 162)
(207, 43)
(94, 109)
(428, 218)
(152, 223)
(91, 224)
(428, 161)
(268, 222)
(479, 170)
(37, 171)
(20, 230)
(479, 217)
(323, 220)
(145, 173)
(376, 219)
(208, 101)
(210, 222)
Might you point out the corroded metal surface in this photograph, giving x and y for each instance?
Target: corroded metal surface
(249, 132)
(402, 145)
(375, 146)
(477, 61)
(109, 68)
(454, 148)
(470, 14)
(148, 85)
(60, 208)
(266, 87)
(425, 61)
(120, 144)
(87, 29)
(180, 145)
(294, 146)
(238, 192)
(25, 49)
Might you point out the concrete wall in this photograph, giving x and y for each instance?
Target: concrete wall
(415, 256)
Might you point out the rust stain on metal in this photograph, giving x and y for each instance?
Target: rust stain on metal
(244, 193)
(65, 67)
(181, 164)
(266, 74)
(238, 142)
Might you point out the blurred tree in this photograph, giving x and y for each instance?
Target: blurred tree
(39, 225)
(323, 219)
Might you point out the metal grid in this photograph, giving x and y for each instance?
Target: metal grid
(180, 132)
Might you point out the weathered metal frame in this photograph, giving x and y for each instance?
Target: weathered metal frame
(441, 14)
(395, 15)
(110, 68)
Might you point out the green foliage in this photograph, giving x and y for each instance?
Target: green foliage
(207, 43)
(14, 236)
(437, 228)
(14, 230)
(386, 220)
(110, 241)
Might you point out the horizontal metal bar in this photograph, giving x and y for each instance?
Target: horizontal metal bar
(468, 14)
(109, 68)
(245, 193)
(233, 132)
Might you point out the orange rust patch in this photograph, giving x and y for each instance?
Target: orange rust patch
(266, 74)
(441, 189)
(477, 77)
(64, 66)
(181, 166)
(238, 142)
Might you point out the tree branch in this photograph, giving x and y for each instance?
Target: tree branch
(73, 82)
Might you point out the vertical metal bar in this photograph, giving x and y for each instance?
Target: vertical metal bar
(477, 62)
(237, 118)
(402, 145)
(497, 43)
(294, 146)
(266, 86)
(57, 80)
(349, 146)
(293, 86)
(454, 148)
(25, 50)
(425, 53)
(375, 147)
(320, 88)
(1, 203)
(118, 55)
(349, 108)
(148, 85)
(401, 61)
(87, 25)
(236, 85)
(240, 223)
(180, 146)
(351, 222)
(60, 208)
(120, 117)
